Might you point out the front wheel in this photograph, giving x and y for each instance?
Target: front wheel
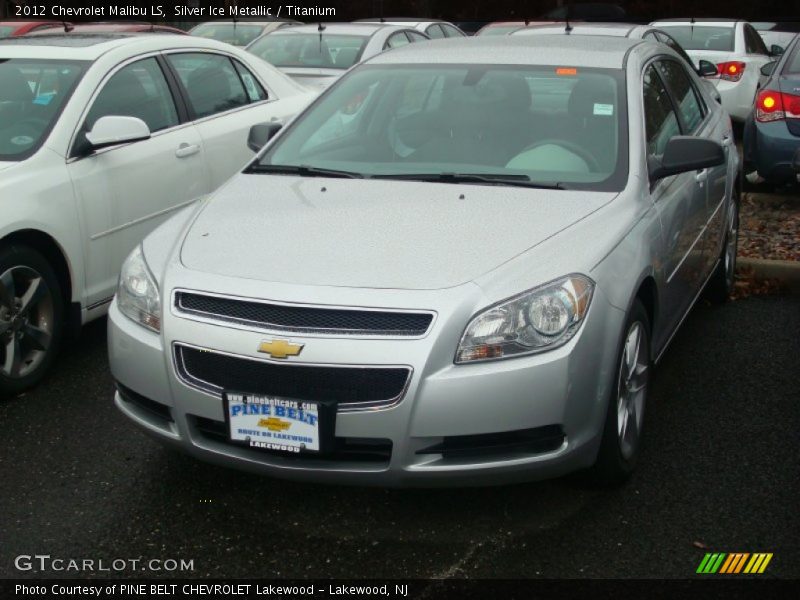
(31, 318)
(622, 433)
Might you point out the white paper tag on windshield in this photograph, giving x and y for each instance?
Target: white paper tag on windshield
(604, 109)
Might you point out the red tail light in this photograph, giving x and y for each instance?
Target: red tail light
(732, 70)
(776, 106)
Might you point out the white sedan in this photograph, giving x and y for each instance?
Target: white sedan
(103, 137)
(735, 47)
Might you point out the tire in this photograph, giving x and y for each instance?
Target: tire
(31, 318)
(620, 446)
(721, 283)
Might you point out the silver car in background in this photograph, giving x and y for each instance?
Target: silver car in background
(467, 284)
(317, 55)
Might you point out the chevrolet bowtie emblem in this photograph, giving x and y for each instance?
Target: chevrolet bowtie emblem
(280, 348)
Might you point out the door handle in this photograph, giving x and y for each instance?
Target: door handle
(727, 139)
(185, 150)
(701, 176)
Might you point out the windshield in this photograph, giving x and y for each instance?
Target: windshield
(32, 94)
(238, 35)
(5, 31)
(540, 124)
(702, 37)
(311, 50)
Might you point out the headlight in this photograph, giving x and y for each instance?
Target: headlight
(537, 320)
(137, 294)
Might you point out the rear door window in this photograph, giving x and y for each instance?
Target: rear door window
(211, 81)
(396, 40)
(434, 31)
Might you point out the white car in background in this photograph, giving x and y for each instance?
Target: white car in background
(317, 55)
(103, 137)
(434, 29)
(735, 47)
(238, 33)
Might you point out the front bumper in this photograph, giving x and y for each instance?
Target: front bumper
(523, 418)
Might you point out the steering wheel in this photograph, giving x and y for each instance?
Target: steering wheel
(572, 147)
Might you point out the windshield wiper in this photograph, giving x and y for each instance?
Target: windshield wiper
(485, 178)
(302, 170)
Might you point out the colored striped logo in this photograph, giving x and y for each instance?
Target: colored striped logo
(734, 563)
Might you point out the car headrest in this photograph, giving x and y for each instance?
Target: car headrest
(587, 93)
(517, 93)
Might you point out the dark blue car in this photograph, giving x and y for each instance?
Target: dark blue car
(772, 133)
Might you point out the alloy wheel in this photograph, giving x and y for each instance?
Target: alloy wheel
(27, 320)
(633, 378)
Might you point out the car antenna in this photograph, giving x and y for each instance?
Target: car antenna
(320, 28)
(67, 26)
(527, 21)
(567, 26)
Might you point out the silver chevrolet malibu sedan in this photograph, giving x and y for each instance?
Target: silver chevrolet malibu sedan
(456, 267)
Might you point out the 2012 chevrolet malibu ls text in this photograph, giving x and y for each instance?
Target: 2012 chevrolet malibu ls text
(455, 267)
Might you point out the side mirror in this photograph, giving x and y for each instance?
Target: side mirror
(685, 153)
(768, 68)
(776, 50)
(113, 130)
(261, 134)
(707, 69)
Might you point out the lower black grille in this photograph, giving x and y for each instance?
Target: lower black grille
(370, 450)
(152, 407)
(281, 317)
(525, 441)
(348, 386)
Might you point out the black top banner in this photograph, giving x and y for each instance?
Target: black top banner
(166, 11)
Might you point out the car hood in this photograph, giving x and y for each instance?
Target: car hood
(373, 234)
(6, 165)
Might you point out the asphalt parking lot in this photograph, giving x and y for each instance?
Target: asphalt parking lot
(720, 470)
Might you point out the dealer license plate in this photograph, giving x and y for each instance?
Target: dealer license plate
(273, 423)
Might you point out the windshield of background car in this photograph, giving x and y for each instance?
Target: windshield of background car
(238, 35)
(540, 124)
(5, 31)
(32, 94)
(702, 37)
(310, 50)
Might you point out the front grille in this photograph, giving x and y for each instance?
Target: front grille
(305, 319)
(372, 450)
(524, 441)
(353, 388)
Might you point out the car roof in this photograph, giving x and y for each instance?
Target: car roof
(91, 46)
(610, 29)
(583, 51)
(689, 21)
(243, 21)
(366, 29)
(16, 23)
